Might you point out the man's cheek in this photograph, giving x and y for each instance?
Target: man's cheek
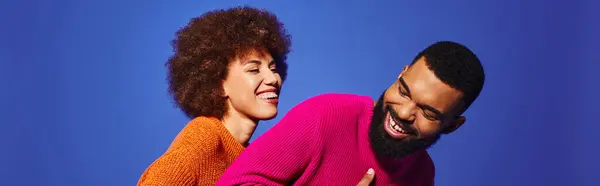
(428, 132)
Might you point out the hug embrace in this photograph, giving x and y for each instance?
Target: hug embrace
(226, 75)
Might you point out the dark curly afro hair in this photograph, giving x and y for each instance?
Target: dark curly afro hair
(204, 48)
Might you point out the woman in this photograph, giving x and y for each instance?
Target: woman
(226, 74)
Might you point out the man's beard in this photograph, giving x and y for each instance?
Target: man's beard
(383, 144)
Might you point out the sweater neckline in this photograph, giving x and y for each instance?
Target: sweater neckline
(226, 135)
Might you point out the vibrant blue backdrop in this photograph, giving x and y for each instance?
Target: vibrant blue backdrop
(84, 102)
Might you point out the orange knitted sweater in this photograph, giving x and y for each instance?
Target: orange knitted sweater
(198, 156)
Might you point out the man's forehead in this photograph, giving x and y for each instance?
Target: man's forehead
(419, 66)
(426, 88)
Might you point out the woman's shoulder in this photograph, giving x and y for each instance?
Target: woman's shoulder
(201, 134)
(194, 147)
(202, 125)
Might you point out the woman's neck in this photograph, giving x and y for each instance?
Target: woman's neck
(240, 127)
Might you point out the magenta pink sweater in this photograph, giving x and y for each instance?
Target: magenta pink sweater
(324, 141)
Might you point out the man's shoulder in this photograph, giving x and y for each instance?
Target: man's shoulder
(335, 110)
(426, 164)
(337, 100)
(427, 160)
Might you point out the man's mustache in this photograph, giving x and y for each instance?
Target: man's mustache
(406, 125)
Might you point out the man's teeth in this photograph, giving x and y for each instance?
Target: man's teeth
(267, 95)
(395, 126)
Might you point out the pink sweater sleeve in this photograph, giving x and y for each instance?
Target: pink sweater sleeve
(282, 153)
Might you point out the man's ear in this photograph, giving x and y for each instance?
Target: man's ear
(457, 123)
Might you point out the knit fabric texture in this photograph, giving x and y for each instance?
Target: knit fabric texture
(197, 156)
(325, 141)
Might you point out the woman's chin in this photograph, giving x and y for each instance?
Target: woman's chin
(266, 114)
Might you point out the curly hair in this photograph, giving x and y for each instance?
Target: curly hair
(205, 47)
(457, 66)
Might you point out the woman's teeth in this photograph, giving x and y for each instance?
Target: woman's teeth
(396, 126)
(267, 95)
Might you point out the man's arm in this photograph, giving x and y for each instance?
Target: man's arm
(281, 154)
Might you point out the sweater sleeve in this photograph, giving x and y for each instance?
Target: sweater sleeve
(181, 164)
(280, 155)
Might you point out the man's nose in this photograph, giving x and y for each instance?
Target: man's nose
(407, 111)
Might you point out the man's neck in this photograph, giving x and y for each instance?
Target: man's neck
(240, 127)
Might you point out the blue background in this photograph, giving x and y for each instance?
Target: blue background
(84, 101)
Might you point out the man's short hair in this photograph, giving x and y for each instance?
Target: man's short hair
(457, 66)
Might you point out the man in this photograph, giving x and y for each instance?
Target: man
(332, 139)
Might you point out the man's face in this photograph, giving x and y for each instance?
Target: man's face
(414, 111)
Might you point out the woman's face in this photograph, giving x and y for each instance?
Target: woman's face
(252, 86)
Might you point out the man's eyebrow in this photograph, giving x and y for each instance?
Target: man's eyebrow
(432, 109)
(423, 106)
(404, 85)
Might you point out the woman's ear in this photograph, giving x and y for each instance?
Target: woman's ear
(225, 88)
